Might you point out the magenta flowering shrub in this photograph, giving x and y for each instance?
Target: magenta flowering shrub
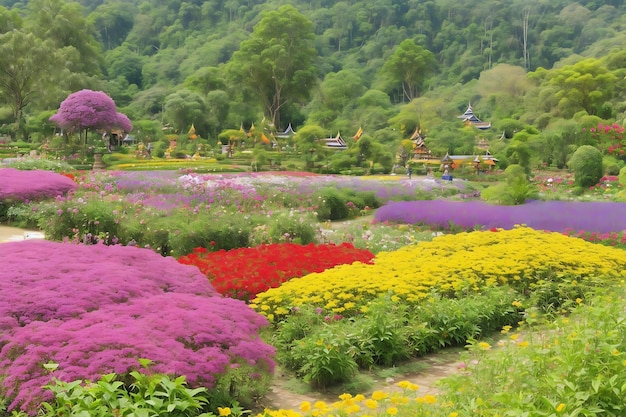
(557, 216)
(98, 309)
(90, 109)
(32, 185)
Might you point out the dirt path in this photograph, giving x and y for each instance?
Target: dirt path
(11, 234)
(287, 394)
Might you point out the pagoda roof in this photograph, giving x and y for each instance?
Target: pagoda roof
(288, 132)
(335, 143)
(470, 117)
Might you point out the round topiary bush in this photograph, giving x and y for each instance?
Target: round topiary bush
(587, 165)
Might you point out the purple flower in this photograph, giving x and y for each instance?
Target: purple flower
(98, 309)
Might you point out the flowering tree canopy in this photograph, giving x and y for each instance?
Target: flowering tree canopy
(87, 109)
(98, 309)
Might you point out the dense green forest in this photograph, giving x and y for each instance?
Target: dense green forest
(543, 72)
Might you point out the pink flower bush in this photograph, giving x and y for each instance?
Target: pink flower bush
(90, 109)
(32, 185)
(98, 309)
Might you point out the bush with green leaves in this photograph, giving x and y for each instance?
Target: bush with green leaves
(586, 162)
(324, 348)
(87, 221)
(143, 395)
(344, 203)
(327, 357)
(285, 227)
(515, 190)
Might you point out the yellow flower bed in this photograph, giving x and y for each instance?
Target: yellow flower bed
(521, 257)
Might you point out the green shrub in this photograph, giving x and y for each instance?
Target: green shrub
(586, 162)
(227, 232)
(287, 227)
(514, 191)
(326, 357)
(335, 203)
(382, 335)
(622, 176)
(301, 323)
(93, 221)
(156, 395)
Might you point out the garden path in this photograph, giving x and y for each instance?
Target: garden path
(10, 234)
(287, 393)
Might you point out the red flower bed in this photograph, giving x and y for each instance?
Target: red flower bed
(243, 273)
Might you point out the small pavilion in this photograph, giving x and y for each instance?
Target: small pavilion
(470, 119)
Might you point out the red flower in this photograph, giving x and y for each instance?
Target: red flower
(243, 273)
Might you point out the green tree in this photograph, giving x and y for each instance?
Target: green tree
(586, 85)
(122, 62)
(518, 152)
(184, 108)
(308, 144)
(26, 66)
(276, 61)
(112, 22)
(65, 26)
(410, 65)
(9, 20)
(586, 163)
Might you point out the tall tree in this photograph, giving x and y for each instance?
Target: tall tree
(65, 25)
(586, 85)
(409, 65)
(25, 71)
(87, 109)
(277, 60)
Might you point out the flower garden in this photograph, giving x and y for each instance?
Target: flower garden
(171, 293)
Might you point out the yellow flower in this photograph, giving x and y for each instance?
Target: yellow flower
(223, 412)
(353, 409)
(516, 304)
(514, 336)
(320, 405)
(579, 300)
(615, 352)
(379, 395)
(392, 411)
(560, 408)
(505, 329)
(305, 406)
(371, 404)
(522, 344)
(430, 399)
(484, 345)
(359, 397)
(453, 414)
(345, 397)
(408, 385)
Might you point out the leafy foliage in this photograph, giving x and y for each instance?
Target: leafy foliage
(586, 163)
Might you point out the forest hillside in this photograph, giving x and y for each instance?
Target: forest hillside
(542, 72)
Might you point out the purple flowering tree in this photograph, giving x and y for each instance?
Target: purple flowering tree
(99, 309)
(88, 109)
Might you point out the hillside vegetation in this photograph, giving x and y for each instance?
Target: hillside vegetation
(542, 72)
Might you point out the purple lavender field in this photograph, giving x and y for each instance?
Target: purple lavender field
(558, 216)
(95, 309)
